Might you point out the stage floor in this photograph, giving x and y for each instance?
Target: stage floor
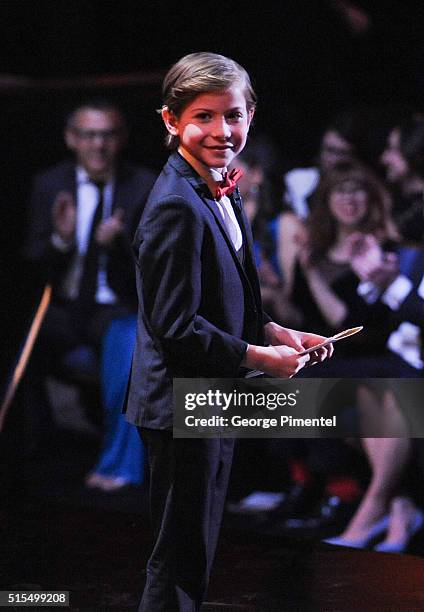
(57, 535)
(99, 555)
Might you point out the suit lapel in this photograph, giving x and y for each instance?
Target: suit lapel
(202, 191)
(245, 272)
(123, 196)
(243, 222)
(250, 264)
(211, 204)
(69, 179)
(205, 196)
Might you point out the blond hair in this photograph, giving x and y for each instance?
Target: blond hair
(200, 73)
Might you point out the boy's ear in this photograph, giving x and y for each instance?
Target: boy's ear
(170, 121)
(250, 116)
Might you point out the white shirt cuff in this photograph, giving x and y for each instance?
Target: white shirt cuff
(368, 292)
(420, 289)
(397, 292)
(60, 244)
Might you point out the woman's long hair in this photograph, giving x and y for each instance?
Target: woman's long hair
(322, 225)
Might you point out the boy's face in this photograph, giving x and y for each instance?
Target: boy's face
(213, 127)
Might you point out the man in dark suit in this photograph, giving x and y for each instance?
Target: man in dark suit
(83, 214)
(396, 280)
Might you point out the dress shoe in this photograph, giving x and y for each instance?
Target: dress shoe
(415, 526)
(108, 484)
(376, 530)
(92, 480)
(331, 512)
(257, 501)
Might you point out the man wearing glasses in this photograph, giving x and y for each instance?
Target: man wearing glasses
(83, 213)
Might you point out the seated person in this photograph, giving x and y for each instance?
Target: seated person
(349, 200)
(339, 145)
(387, 509)
(83, 213)
(121, 459)
(403, 161)
(346, 140)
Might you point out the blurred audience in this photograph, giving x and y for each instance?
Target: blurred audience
(82, 216)
(396, 281)
(361, 246)
(337, 249)
(339, 144)
(387, 507)
(403, 160)
(348, 200)
(352, 136)
(121, 459)
(260, 188)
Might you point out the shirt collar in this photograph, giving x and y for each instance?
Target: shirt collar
(83, 178)
(211, 176)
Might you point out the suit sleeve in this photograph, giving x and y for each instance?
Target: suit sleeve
(412, 310)
(405, 301)
(170, 260)
(266, 318)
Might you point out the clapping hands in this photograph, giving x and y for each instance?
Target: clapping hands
(108, 230)
(370, 263)
(64, 216)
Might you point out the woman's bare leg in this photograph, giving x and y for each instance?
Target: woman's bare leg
(387, 457)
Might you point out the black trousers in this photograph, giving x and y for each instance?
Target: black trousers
(188, 486)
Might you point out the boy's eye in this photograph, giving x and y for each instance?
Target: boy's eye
(235, 115)
(203, 116)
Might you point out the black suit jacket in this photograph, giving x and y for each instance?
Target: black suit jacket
(198, 305)
(132, 186)
(412, 308)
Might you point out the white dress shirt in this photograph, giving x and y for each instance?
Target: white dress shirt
(406, 340)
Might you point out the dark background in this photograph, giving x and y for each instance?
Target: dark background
(305, 63)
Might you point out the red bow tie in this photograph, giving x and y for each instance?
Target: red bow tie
(229, 183)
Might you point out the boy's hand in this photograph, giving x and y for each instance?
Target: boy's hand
(287, 362)
(279, 361)
(300, 341)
